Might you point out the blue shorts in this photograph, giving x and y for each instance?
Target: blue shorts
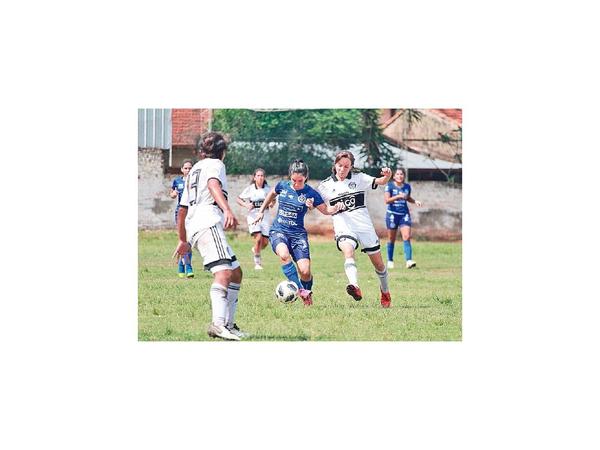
(393, 221)
(297, 245)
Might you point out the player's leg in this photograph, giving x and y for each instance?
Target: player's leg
(306, 279)
(218, 258)
(370, 243)
(382, 274)
(189, 270)
(348, 244)
(280, 246)
(405, 231)
(233, 293)
(392, 228)
(256, 248)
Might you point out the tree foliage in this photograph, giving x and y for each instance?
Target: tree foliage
(273, 139)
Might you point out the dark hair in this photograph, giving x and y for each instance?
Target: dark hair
(298, 166)
(401, 169)
(212, 145)
(340, 155)
(259, 169)
(187, 161)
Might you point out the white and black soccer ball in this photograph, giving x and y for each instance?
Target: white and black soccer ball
(286, 291)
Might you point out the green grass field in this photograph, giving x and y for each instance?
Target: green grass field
(426, 300)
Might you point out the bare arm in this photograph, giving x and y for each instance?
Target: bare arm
(412, 200)
(386, 174)
(244, 203)
(214, 187)
(329, 210)
(389, 199)
(182, 246)
(268, 200)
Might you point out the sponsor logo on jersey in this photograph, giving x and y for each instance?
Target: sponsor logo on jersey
(352, 200)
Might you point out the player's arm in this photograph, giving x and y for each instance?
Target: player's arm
(244, 203)
(328, 210)
(182, 246)
(173, 194)
(386, 174)
(409, 199)
(214, 187)
(268, 200)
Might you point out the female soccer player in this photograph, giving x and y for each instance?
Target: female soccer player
(397, 196)
(353, 226)
(252, 198)
(203, 215)
(288, 236)
(185, 263)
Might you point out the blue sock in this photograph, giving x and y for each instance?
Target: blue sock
(307, 284)
(181, 266)
(290, 272)
(390, 251)
(407, 250)
(189, 259)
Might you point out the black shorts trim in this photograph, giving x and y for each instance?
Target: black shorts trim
(337, 240)
(219, 262)
(371, 249)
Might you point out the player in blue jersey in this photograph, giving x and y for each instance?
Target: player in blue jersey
(185, 263)
(289, 239)
(397, 197)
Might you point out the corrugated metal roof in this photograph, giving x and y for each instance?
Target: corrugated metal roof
(154, 128)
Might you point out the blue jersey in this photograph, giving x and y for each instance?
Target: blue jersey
(178, 184)
(399, 206)
(292, 207)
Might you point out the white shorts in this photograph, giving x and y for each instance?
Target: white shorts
(261, 227)
(216, 253)
(365, 238)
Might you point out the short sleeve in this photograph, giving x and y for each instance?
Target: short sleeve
(174, 184)
(279, 187)
(409, 189)
(245, 195)
(318, 200)
(213, 170)
(366, 181)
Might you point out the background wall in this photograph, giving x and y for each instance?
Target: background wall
(439, 218)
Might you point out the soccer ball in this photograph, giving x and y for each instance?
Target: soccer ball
(286, 291)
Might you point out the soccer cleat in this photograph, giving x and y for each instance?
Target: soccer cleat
(234, 329)
(354, 292)
(386, 299)
(390, 264)
(222, 332)
(258, 267)
(181, 275)
(189, 272)
(306, 296)
(410, 264)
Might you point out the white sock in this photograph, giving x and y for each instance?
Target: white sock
(257, 259)
(351, 271)
(232, 300)
(383, 280)
(218, 300)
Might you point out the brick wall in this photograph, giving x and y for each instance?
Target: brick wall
(188, 124)
(439, 218)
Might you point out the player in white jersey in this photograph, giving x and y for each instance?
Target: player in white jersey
(252, 198)
(204, 213)
(353, 226)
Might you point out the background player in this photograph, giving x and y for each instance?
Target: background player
(353, 226)
(252, 198)
(185, 262)
(203, 215)
(397, 196)
(289, 239)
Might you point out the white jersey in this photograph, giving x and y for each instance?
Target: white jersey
(203, 211)
(257, 197)
(351, 191)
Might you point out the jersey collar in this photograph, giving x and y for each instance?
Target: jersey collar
(348, 177)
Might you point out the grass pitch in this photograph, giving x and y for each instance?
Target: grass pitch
(426, 300)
